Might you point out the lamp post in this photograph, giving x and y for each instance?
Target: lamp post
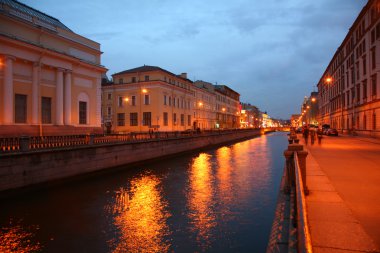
(223, 117)
(142, 96)
(200, 104)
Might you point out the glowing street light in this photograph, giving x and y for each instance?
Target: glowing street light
(313, 99)
(144, 90)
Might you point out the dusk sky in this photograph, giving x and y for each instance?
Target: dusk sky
(272, 52)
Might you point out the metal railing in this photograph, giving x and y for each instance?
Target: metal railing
(27, 143)
(303, 231)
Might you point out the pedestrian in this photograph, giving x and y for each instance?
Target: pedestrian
(319, 135)
(306, 134)
(312, 136)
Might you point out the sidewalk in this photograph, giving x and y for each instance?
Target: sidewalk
(343, 204)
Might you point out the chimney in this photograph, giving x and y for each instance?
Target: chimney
(184, 75)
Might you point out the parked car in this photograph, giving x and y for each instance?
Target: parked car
(332, 131)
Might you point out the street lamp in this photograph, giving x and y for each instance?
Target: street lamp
(200, 104)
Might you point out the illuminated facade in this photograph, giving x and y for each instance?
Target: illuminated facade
(250, 116)
(227, 107)
(349, 90)
(148, 98)
(205, 105)
(50, 77)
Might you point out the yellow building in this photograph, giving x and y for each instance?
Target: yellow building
(205, 106)
(148, 98)
(227, 107)
(50, 77)
(349, 89)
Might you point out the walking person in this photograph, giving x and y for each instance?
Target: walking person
(306, 134)
(312, 136)
(319, 135)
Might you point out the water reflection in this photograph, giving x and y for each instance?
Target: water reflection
(16, 238)
(224, 174)
(201, 213)
(140, 216)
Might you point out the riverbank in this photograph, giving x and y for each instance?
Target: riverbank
(32, 168)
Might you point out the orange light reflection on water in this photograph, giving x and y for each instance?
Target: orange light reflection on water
(201, 214)
(15, 238)
(141, 217)
(224, 176)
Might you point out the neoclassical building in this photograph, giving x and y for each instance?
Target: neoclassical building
(349, 89)
(205, 105)
(227, 107)
(50, 77)
(148, 98)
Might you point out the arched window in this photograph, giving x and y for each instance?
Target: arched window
(83, 108)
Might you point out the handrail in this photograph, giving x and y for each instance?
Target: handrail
(32, 143)
(304, 238)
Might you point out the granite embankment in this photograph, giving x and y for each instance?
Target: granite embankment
(35, 167)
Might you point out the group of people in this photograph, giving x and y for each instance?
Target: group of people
(313, 133)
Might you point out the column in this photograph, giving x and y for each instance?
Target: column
(8, 109)
(59, 98)
(68, 98)
(35, 92)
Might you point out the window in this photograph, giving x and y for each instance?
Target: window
(146, 78)
(165, 118)
(373, 52)
(178, 102)
(109, 111)
(46, 110)
(182, 120)
(121, 119)
(133, 79)
(164, 99)
(358, 93)
(133, 119)
(120, 80)
(364, 122)
(364, 65)
(174, 102)
(374, 121)
(174, 118)
(20, 108)
(146, 100)
(82, 112)
(133, 100)
(170, 100)
(120, 102)
(189, 120)
(365, 89)
(374, 85)
(109, 96)
(147, 116)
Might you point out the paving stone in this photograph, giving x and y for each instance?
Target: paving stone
(325, 211)
(323, 196)
(340, 235)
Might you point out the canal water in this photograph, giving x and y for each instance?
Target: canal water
(217, 200)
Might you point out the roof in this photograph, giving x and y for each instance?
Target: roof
(147, 68)
(19, 10)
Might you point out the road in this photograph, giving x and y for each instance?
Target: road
(352, 164)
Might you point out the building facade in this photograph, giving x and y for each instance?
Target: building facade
(205, 105)
(148, 98)
(349, 98)
(50, 77)
(227, 107)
